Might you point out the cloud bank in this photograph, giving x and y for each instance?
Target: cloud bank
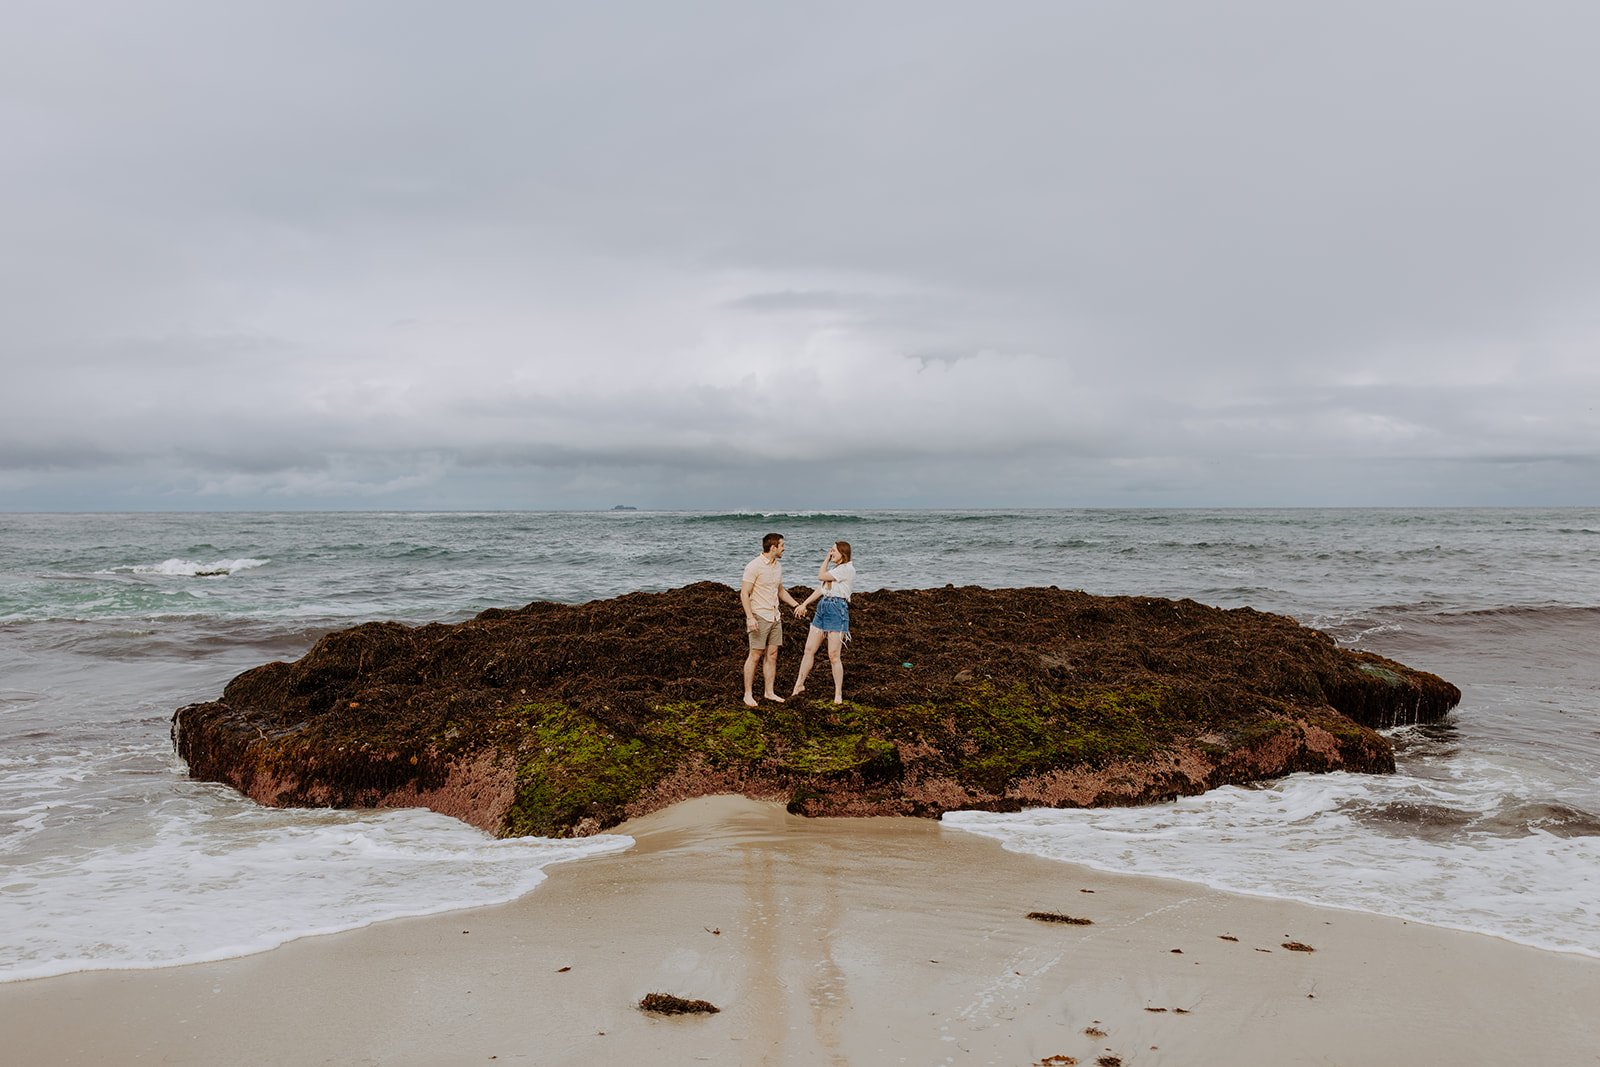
(721, 255)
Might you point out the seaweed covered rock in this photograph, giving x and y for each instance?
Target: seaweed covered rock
(562, 719)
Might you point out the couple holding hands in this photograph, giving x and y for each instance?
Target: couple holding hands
(761, 590)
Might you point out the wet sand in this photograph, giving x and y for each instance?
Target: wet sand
(837, 941)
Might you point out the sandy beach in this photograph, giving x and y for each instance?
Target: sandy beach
(840, 941)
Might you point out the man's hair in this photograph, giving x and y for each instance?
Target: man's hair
(768, 541)
(844, 550)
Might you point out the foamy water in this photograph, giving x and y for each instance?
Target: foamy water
(1480, 848)
(188, 568)
(201, 874)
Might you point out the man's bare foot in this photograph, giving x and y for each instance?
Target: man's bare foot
(838, 700)
(775, 698)
(750, 701)
(797, 691)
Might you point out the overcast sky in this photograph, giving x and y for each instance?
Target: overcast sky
(748, 255)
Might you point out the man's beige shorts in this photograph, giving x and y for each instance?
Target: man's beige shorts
(766, 634)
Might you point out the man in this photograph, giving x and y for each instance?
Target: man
(760, 592)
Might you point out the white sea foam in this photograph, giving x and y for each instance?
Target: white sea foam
(1347, 841)
(188, 568)
(208, 876)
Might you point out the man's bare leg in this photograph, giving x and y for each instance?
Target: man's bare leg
(769, 673)
(750, 676)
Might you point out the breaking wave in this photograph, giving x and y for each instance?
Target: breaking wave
(175, 568)
(775, 516)
(186, 568)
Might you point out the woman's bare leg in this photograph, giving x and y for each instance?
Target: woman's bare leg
(813, 639)
(835, 646)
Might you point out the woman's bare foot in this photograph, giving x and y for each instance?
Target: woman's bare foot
(838, 700)
(797, 691)
(775, 698)
(750, 701)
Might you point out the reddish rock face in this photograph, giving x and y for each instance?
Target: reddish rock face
(561, 719)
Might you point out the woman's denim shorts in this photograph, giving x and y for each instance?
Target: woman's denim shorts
(833, 615)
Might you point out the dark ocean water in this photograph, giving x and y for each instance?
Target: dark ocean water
(110, 857)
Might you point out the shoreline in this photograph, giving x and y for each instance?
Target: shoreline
(838, 941)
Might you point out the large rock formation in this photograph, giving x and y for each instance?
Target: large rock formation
(560, 719)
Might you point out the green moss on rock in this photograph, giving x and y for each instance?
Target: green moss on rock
(1383, 674)
(722, 735)
(829, 754)
(575, 775)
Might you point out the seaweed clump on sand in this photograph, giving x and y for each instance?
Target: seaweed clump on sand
(668, 1004)
(565, 719)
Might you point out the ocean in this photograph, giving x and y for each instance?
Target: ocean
(110, 857)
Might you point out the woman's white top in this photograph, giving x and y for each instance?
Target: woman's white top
(844, 576)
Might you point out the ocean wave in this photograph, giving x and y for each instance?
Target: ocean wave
(1434, 612)
(1213, 593)
(1535, 628)
(1550, 817)
(776, 516)
(186, 568)
(396, 551)
(959, 518)
(180, 638)
(1521, 612)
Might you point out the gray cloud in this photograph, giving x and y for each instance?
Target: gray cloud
(721, 254)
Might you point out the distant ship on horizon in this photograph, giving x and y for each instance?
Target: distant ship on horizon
(623, 507)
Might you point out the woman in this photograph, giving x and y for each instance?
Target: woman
(837, 575)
